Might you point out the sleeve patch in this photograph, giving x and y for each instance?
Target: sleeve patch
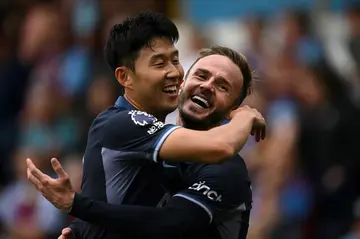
(141, 118)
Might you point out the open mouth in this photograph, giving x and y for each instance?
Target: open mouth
(200, 101)
(171, 90)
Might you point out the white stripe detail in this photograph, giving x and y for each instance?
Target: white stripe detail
(242, 207)
(161, 141)
(165, 165)
(197, 203)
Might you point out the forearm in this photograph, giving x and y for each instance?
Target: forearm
(235, 133)
(211, 147)
(139, 221)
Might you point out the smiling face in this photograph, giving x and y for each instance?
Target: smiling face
(141, 52)
(211, 89)
(153, 86)
(158, 76)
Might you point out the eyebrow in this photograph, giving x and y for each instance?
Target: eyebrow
(218, 78)
(162, 55)
(202, 70)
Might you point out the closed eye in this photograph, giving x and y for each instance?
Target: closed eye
(201, 76)
(159, 64)
(222, 87)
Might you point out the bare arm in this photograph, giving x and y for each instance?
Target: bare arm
(138, 131)
(212, 146)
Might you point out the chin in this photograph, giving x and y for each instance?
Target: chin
(190, 118)
(196, 117)
(196, 113)
(200, 120)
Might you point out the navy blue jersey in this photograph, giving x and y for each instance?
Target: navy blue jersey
(210, 202)
(224, 192)
(120, 162)
(120, 167)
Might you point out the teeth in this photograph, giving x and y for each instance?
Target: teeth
(170, 88)
(202, 100)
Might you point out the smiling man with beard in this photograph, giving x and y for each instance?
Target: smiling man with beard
(208, 201)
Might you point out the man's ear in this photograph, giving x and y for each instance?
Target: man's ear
(181, 86)
(123, 76)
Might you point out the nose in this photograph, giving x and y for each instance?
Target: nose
(207, 85)
(174, 72)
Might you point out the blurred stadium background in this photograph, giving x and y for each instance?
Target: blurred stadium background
(306, 53)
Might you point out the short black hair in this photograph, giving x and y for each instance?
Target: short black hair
(126, 39)
(238, 59)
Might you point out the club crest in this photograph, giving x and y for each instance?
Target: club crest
(141, 118)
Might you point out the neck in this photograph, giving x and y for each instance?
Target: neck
(139, 107)
(134, 103)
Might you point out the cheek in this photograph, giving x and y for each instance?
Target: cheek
(153, 83)
(186, 92)
(181, 71)
(220, 106)
(223, 102)
(190, 85)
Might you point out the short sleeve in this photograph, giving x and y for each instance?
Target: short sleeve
(135, 131)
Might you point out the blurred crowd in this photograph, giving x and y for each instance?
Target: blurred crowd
(54, 81)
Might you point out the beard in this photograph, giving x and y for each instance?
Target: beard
(212, 120)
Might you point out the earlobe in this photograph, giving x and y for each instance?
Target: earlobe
(181, 87)
(123, 77)
(120, 75)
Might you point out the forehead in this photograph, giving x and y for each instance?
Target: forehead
(222, 66)
(158, 46)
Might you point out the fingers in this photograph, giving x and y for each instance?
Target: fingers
(66, 232)
(58, 168)
(237, 110)
(33, 179)
(34, 171)
(258, 135)
(263, 133)
(259, 127)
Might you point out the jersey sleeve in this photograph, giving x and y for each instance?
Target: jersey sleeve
(135, 131)
(176, 218)
(218, 190)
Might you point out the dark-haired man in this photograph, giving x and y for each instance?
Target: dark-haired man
(128, 144)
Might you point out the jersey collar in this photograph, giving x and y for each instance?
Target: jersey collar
(121, 102)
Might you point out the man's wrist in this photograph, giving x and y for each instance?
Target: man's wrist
(69, 208)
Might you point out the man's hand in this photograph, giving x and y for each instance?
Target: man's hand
(57, 191)
(65, 233)
(259, 124)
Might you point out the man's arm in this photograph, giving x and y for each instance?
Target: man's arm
(225, 190)
(214, 191)
(142, 222)
(137, 131)
(213, 146)
(137, 221)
